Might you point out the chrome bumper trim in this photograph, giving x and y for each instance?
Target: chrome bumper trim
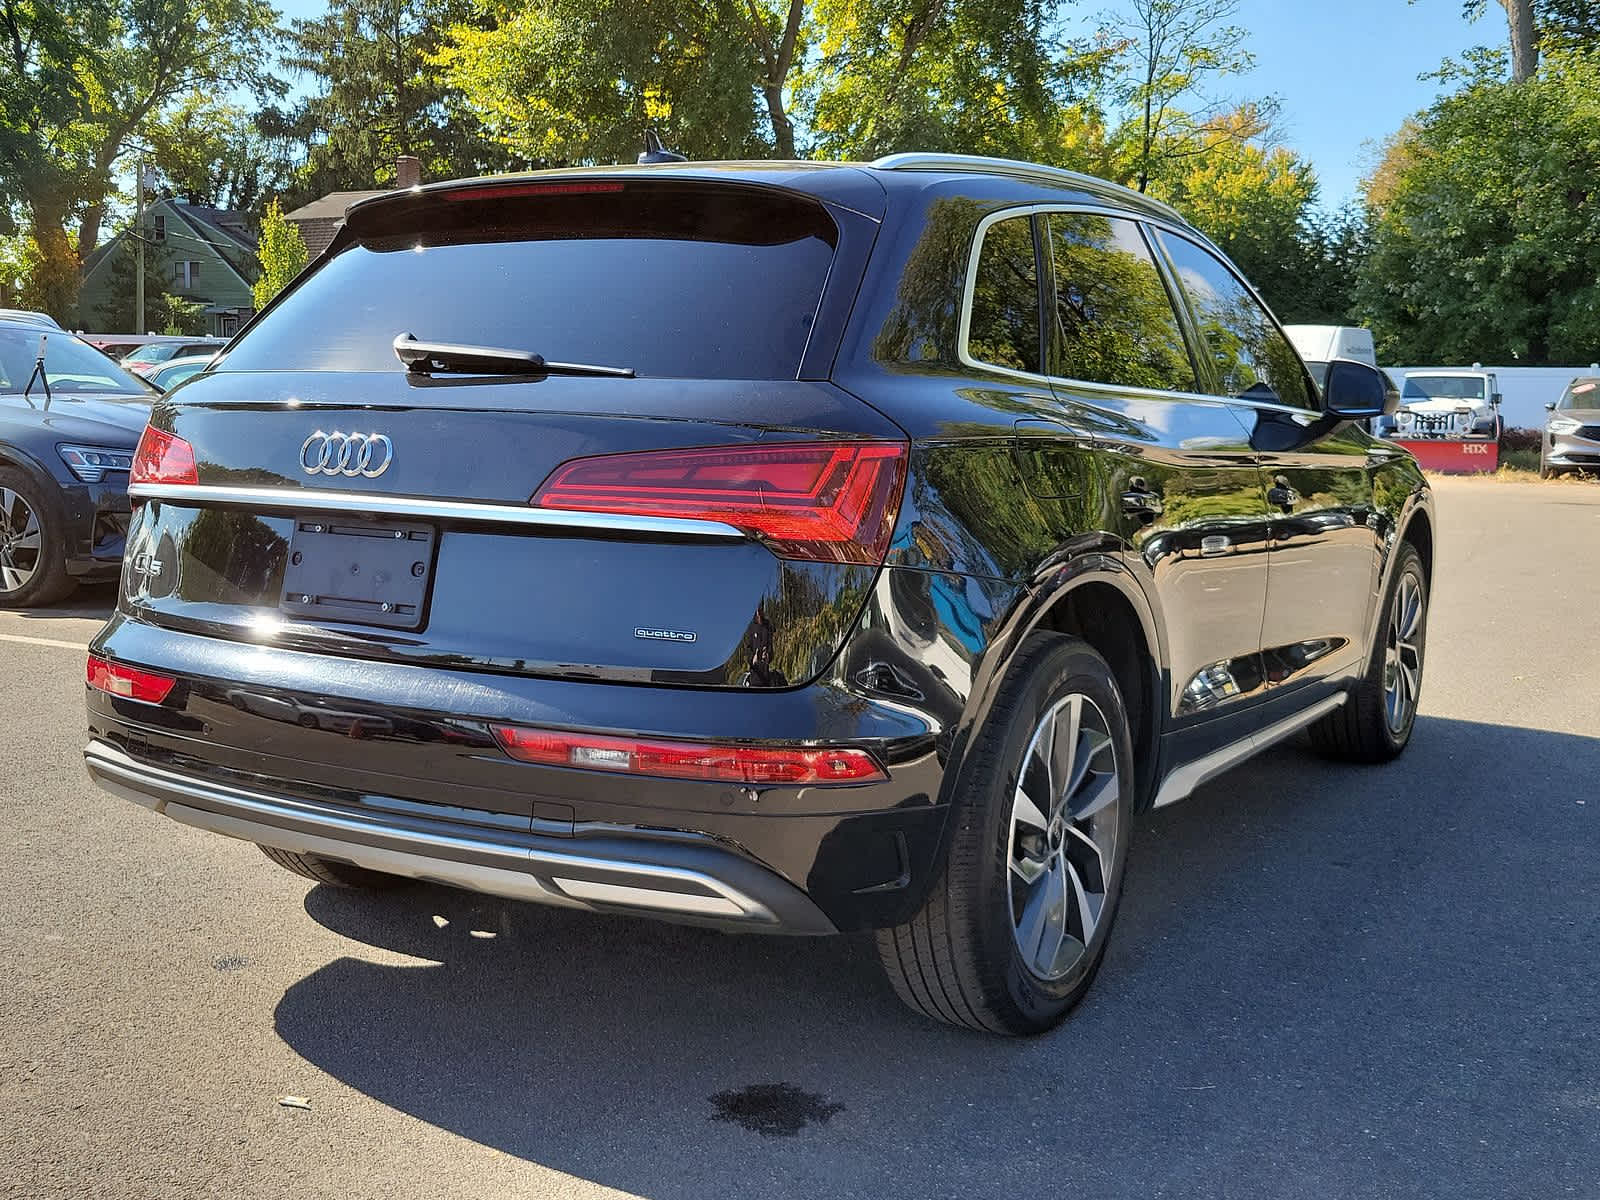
(468, 511)
(570, 879)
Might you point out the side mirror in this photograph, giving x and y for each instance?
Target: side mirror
(1495, 399)
(1550, 407)
(1355, 391)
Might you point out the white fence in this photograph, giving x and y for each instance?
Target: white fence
(1525, 390)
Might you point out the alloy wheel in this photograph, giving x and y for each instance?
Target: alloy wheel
(1063, 837)
(21, 541)
(1402, 663)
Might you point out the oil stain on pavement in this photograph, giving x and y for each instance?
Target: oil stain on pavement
(773, 1109)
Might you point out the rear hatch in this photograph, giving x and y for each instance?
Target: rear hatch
(715, 519)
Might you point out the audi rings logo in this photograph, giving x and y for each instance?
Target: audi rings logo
(347, 454)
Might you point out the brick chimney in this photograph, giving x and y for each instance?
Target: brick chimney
(407, 171)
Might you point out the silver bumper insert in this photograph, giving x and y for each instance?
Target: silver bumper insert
(464, 860)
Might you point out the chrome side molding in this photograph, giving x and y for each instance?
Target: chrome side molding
(1181, 781)
(463, 511)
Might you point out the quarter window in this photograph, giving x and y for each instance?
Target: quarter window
(1114, 321)
(1251, 359)
(1004, 326)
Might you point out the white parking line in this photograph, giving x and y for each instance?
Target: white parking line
(38, 641)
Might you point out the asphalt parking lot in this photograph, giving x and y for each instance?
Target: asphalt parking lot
(1325, 982)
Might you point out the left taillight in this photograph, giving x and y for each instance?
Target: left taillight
(162, 457)
(114, 679)
(823, 501)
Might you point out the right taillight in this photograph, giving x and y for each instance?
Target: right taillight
(825, 501)
(162, 457)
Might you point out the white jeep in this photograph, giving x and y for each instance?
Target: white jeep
(1449, 405)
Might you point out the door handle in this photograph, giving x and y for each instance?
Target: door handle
(1214, 545)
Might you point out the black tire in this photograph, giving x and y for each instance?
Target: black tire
(47, 581)
(333, 872)
(959, 959)
(1360, 730)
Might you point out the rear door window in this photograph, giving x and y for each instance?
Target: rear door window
(1251, 358)
(1114, 321)
(1003, 328)
(671, 279)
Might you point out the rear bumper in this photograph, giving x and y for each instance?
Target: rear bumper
(393, 767)
(691, 881)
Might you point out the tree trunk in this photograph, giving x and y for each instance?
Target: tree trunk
(1524, 38)
(782, 127)
(89, 228)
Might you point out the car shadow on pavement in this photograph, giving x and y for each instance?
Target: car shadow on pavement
(90, 603)
(1323, 977)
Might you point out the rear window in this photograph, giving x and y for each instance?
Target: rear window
(672, 280)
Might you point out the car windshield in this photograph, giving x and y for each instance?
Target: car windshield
(1581, 393)
(70, 365)
(1443, 387)
(154, 352)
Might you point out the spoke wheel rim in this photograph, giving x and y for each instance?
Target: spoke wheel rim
(1062, 844)
(1402, 661)
(21, 542)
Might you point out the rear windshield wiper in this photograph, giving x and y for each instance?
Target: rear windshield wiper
(444, 358)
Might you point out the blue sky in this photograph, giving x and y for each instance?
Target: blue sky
(1345, 70)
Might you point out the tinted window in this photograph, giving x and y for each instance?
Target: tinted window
(1250, 357)
(1004, 330)
(71, 365)
(673, 280)
(1114, 321)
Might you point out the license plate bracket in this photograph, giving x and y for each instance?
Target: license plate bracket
(362, 572)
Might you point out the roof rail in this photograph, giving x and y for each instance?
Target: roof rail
(1019, 170)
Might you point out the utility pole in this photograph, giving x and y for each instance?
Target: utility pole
(138, 243)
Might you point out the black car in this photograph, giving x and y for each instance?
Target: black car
(785, 547)
(68, 428)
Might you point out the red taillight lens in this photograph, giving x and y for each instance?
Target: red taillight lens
(117, 680)
(163, 457)
(827, 501)
(689, 760)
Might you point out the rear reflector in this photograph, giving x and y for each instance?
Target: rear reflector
(162, 457)
(689, 760)
(503, 191)
(117, 680)
(824, 501)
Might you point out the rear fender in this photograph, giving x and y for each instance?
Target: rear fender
(1036, 608)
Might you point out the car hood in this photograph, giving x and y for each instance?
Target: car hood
(1584, 416)
(92, 419)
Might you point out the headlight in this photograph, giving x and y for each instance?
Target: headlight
(90, 463)
(1563, 425)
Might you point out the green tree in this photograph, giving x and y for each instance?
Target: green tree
(1486, 232)
(282, 252)
(983, 76)
(1173, 52)
(210, 152)
(81, 79)
(562, 82)
(375, 96)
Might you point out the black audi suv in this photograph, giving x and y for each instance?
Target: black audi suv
(69, 421)
(789, 547)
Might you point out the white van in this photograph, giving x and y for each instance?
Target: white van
(1319, 345)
